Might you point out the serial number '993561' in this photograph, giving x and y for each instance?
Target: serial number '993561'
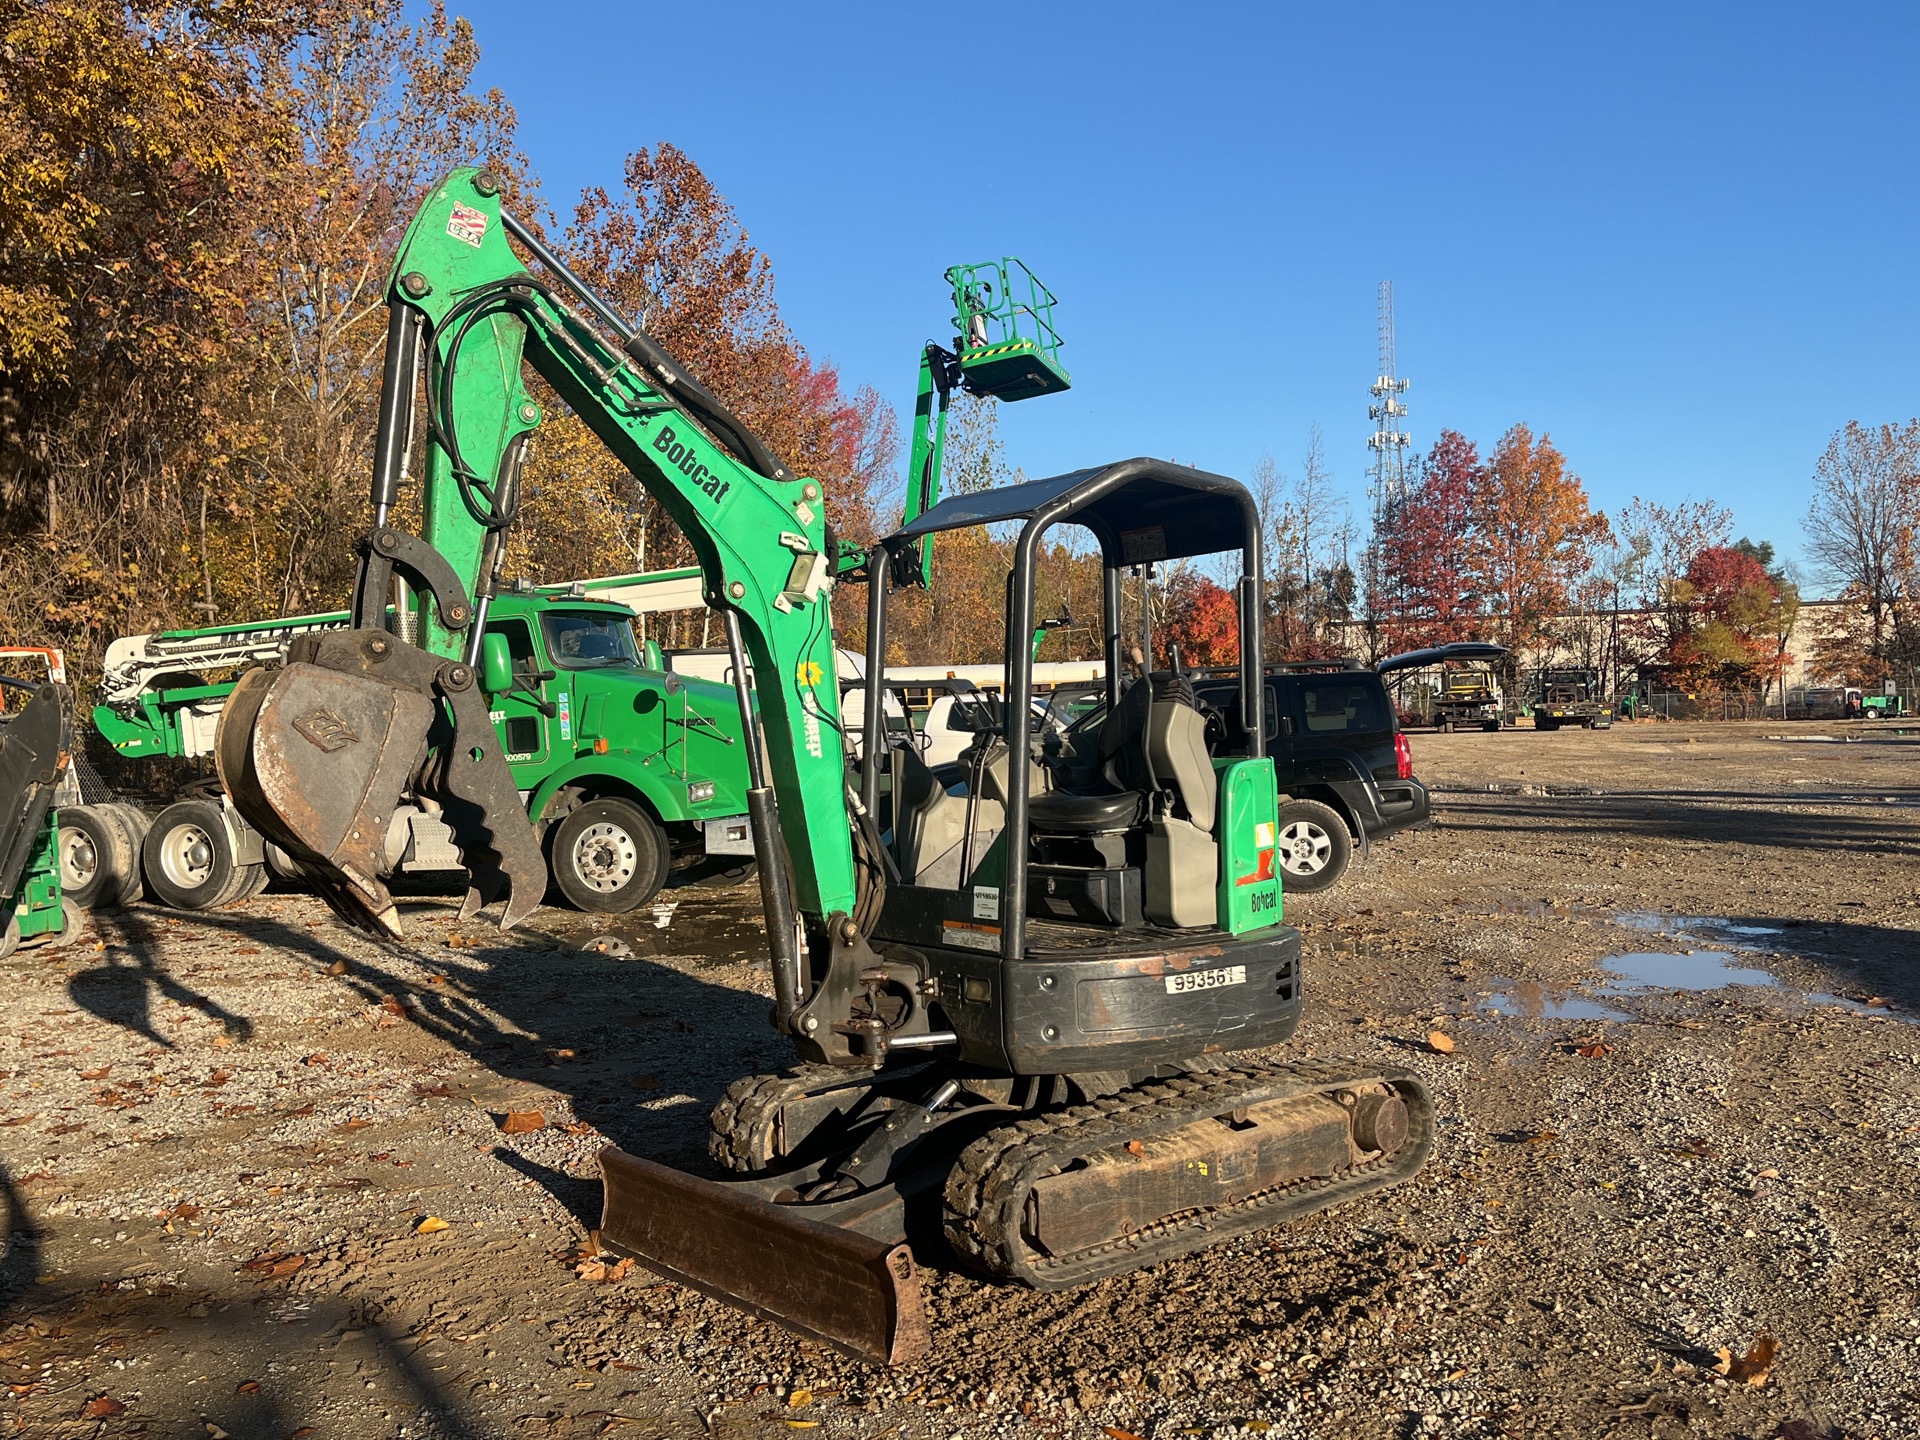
(1206, 979)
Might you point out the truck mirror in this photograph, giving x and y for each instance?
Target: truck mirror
(651, 657)
(496, 665)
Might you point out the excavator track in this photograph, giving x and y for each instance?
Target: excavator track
(746, 1130)
(996, 1195)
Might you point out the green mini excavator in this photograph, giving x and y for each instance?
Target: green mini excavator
(1014, 996)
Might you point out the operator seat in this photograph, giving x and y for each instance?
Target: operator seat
(1155, 756)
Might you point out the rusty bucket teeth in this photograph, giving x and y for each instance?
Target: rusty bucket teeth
(848, 1290)
(317, 759)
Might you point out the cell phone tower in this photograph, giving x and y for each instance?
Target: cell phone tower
(1388, 442)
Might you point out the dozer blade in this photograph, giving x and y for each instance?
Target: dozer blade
(847, 1290)
(316, 760)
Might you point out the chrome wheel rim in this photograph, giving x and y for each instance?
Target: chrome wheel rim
(79, 860)
(186, 856)
(605, 857)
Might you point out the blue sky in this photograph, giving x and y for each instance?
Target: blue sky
(1679, 238)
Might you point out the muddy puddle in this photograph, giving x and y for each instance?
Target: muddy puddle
(1643, 974)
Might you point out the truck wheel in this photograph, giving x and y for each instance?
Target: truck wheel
(99, 865)
(1491, 725)
(1314, 847)
(187, 859)
(1446, 727)
(280, 865)
(1540, 724)
(608, 857)
(10, 937)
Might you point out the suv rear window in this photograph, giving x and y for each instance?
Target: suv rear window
(1340, 705)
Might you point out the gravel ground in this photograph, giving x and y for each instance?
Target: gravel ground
(262, 1179)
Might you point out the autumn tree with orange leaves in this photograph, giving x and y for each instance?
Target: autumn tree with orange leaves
(1535, 538)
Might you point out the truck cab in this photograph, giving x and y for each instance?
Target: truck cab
(625, 763)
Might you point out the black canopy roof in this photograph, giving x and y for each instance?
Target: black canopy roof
(1139, 510)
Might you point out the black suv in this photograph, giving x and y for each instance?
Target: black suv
(1344, 770)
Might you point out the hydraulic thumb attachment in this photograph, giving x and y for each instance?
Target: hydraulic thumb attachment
(318, 753)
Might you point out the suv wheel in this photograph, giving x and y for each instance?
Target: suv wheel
(1314, 848)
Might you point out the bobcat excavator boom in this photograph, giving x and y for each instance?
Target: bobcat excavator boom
(1012, 999)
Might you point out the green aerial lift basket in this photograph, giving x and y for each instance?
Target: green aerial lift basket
(1003, 323)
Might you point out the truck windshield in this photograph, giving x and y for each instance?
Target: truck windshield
(589, 639)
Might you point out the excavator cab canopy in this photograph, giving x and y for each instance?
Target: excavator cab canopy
(1140, 511)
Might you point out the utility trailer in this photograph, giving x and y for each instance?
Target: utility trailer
(1570, 697)
(625, 765)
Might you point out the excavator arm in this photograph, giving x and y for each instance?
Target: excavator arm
(319, 751)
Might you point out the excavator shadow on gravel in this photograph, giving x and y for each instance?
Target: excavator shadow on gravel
(1015, 1000)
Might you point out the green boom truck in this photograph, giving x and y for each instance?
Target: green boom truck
(623, 764)
(1014, 996)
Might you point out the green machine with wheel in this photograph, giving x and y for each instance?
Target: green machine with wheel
(36, 746)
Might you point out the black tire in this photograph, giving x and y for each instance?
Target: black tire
(10, 937)
(1490, 725)
(1315, 847)
(248, 881)
(99, 865)
(136, 822)
(607, 857)
(1446, 727)
(280, 865)
(187, 858)
(1540, 724)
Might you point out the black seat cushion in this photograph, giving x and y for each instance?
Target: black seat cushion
(1060, 813)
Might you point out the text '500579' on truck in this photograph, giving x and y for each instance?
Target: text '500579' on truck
(1013, 996)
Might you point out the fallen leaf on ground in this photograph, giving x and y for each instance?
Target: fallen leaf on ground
(523, 1122)
(221, 1042)
(319, 1057)
(100, 1407)
(338, 967)
(436, 1092)
(606, 1272)
(559, 1057)
(578, 1127)
(99, 1074)
(1593, 1052)
(248, 1387)
(219, 1077)
(1134, 1147)
(1116, 1433)
(184, 1211)
(1768, 1174)
(275, 1266)
(800, 1397)
(1439, 1042)
(1751, 1368)
(358, 1122)
(430, 1224)
(1541, 1137)
(394, 1005)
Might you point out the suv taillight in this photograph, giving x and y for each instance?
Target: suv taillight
(1402, 757)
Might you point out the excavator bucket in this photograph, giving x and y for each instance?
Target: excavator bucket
(318, 753)
(832, 1284)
